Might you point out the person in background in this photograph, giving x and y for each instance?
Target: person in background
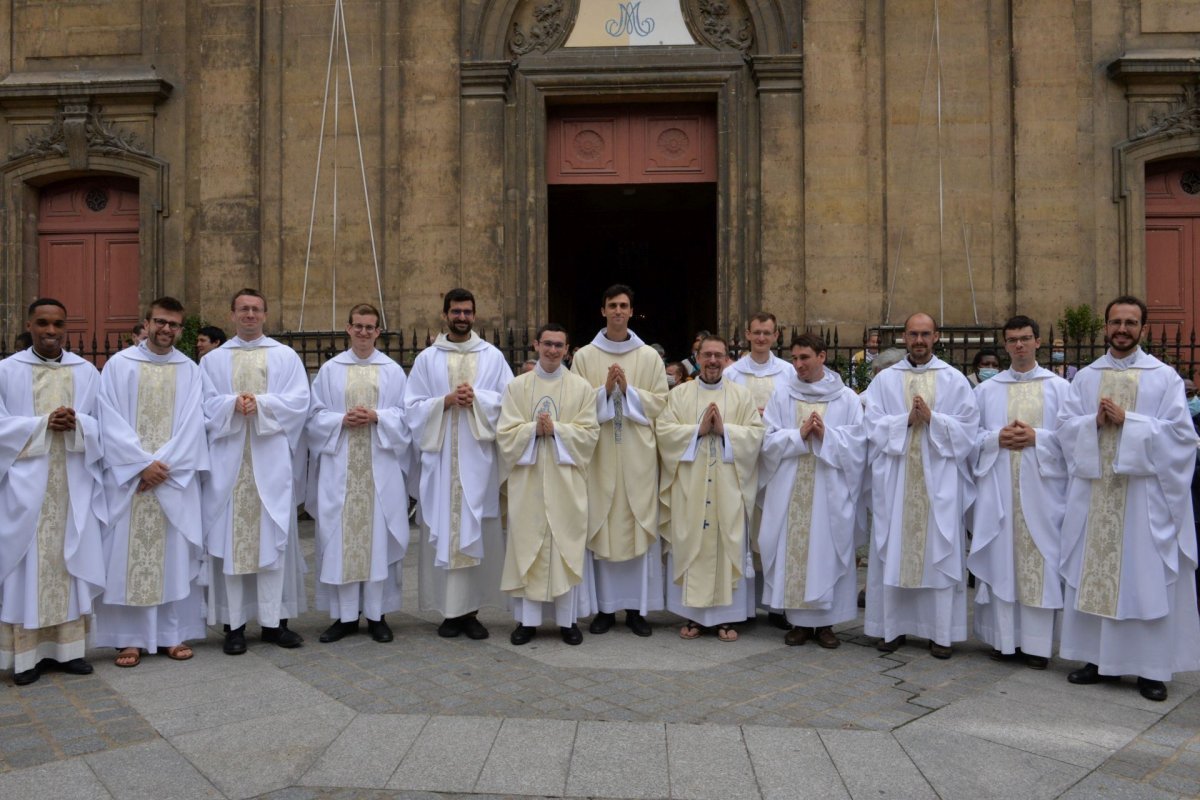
(1058, 361)
(676, 374)
(210, 337)
(985, 365)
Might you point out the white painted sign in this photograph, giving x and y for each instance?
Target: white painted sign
(629, 23)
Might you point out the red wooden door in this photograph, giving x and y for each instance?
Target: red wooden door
(88, 257)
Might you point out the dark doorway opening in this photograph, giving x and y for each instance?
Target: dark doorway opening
(660, 239)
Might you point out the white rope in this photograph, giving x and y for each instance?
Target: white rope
(937, 37)
(337, 129)
(312, 217)
(363, 170)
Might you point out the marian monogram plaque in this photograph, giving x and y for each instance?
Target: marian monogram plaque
(629, 23)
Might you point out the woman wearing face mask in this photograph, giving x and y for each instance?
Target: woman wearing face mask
(985, 365)
(1058, 361)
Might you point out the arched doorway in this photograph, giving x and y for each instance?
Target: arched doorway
(632, 198)
(88, 257)
(1173, 245)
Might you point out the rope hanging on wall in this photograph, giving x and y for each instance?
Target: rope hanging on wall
(339, 43)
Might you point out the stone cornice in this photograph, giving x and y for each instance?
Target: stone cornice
(485, 78)
(783, 73)
(1156, 66)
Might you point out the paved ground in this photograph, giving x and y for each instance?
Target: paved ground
(618, 717)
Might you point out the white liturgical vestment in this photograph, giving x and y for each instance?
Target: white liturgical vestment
(1128, 539)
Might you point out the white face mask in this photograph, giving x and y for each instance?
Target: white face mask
(987, 372)
(670, 381)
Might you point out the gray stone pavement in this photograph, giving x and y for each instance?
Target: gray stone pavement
(618, 717)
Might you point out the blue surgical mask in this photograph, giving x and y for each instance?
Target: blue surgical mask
(987, 372)
(1058, 357)
(1194, 405)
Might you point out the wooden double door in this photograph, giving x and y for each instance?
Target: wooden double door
(1173, 246)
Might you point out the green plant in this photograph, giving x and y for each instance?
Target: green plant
(1080, 323)
(187, 340)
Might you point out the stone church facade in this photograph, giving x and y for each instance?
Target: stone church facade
(838, 162)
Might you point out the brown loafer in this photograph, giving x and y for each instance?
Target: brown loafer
(826, 639)
(797, 636)
(892, 645)
(940, 650)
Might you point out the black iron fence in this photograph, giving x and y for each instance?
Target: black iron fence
(958, 345)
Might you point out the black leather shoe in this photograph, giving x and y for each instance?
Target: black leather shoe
(338, 630)
(862, 598)
(235, 641)
(602, 622)
(450, 627)
(636, 623)
(76, 666)
(571, 635)
(522, 635)
(1036, 662)
(892, 645)
(942, 651)
(281, 636)
(27, 677)
(826, 638)
(473, 628)
(1152, 690)
(379, 630)
(1090, 673)
(797, 636)
(777, 620)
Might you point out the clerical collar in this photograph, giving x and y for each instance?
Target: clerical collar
(1023, 376)
(1126, 362)
(358, 360)
(541, 373)
(748, 365)
(259, 342)
(628, 336)
(153, 356)
(711, 386)
(44, 360)
(602, 342)
(443, 343)
(917, 366)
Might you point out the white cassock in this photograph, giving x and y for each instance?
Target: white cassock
(623, 476)
(462, 547)
(250, 496)
(52, 504)
(762, 380)
(810, 504)
(920, 489)
(359, 501)
(150, 410)
(546, 564)
(707, 491)
(1020, 497)
(1128, 540)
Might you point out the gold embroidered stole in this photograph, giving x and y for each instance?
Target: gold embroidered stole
(1100, 578)
(760, 390)
(462, 367)
(358, 507)
(1025, 403)
(249, 375)
(915, 526)
(147, 546)
(799, 525)
(53, 388)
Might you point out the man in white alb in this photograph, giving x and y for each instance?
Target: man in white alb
(452, 404)
(154, 454)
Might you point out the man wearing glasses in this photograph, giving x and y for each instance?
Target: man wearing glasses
(255, 407)
(356, 429)
(1021, 490)
(452, 404)
(546, 437)
(921, 422)
(154, 452)
(1128, 540)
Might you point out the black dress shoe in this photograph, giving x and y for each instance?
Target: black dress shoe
(892, 645)
(571, 635)
(636, 623)
(522, 635)
(379, 630)
(942, 651)
(602, 622)
(338, 630)
(281, 636)
(1036, 662)
(27, 677)
(1152, 690)
(1090, 673)
(997, 655)
(777, 620)
(235, 641)
(473, 628)
(450, 627)
(862, 598)
(76, 666)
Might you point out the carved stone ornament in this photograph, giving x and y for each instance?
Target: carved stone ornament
(1182, 119)
(75, 133)
(547, 29)
(721, 24)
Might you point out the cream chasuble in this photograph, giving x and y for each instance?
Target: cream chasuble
(708, 486)
(462, 367)
(546, 482)
(1025, 403)
(916, 499)
(358, 512)
(53, 387)
(1100, 579)
(147, 522)
(800, 515)
(249, 376)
